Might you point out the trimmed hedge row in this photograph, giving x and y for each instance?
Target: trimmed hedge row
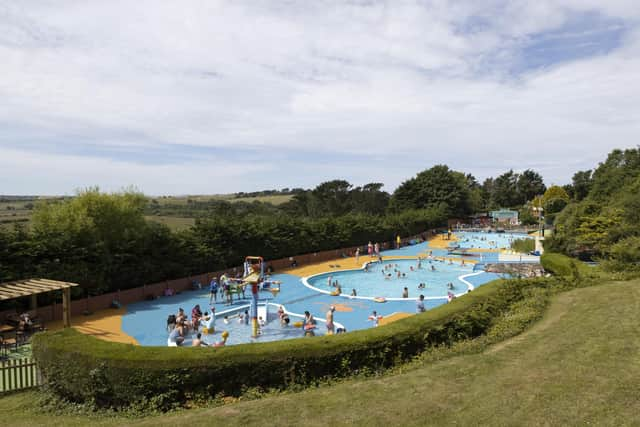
(82, 368)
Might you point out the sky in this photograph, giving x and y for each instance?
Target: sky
(205, 97)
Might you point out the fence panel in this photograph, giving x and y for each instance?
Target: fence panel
(19, 374)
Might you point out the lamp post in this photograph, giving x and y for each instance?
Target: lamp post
(540, 235)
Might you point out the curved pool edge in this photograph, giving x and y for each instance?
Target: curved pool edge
(305, 282)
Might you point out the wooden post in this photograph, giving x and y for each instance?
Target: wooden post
(66, 307)
(34, 303)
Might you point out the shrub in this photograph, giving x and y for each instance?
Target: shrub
(82, 368)
(523, 245)
(562, 265)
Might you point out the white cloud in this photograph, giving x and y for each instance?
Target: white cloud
(430, 82)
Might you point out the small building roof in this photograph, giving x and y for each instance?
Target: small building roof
(25, 288)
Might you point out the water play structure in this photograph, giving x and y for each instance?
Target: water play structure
(253, 275)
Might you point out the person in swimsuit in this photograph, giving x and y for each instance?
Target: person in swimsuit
(330, 325)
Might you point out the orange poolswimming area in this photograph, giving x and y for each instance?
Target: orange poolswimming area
(131, 324)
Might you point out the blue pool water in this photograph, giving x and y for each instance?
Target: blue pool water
(471, 240)
(381, 280)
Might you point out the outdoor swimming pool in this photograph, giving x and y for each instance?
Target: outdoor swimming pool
(145, 321)
(381, 280)
(480, 240)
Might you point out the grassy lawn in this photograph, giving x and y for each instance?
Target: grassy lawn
(579, 365)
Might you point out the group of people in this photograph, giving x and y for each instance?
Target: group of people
(373, 249)
(225, 287)
(179, 327)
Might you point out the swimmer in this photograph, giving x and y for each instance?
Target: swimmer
(226, 320)
(375, 318)
(433, 268)
(405, 292)
(353, 292)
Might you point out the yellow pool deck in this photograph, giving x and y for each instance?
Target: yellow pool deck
(439, 242)
(394, 317)
(104, 324)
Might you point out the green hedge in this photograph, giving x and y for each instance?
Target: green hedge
(81, 368)
(562, 265)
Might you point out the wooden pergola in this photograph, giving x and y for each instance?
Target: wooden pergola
(33, 287)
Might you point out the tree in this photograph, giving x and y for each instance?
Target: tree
(369, 199)
(504, 190)
(529, 184)
(554, 199)
(581, 184)
(330, 198)
(436, 187)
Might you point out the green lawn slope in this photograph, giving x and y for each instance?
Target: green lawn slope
(579, 365)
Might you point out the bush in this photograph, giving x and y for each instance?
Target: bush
(82, 368)
(562, 265)
(523, 245)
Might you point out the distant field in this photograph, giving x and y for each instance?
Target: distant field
(15, 211)
(173, 222)
(19, 209)
(276, 199)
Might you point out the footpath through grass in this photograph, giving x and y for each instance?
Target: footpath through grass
(579, 365)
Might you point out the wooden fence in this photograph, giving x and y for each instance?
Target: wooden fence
(19, 374)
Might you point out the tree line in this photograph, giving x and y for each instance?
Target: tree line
(602, 220)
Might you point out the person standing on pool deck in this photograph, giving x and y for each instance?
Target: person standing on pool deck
(420, 304)
(376, 249)
(357, 255)
(213, 290)
(398, 241)
(330, 325)
(370, 249)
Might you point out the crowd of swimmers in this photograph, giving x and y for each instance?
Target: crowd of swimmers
(180, 327)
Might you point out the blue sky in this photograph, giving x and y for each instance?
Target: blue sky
(214, 97)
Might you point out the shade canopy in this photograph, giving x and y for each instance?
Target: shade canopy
(25, 288)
